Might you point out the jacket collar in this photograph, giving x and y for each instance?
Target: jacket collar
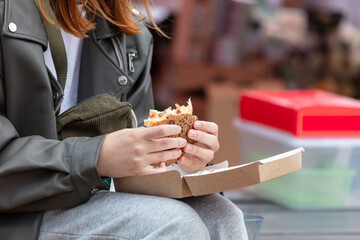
(104, 29)
(29, 23)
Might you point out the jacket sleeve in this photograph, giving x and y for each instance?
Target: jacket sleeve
(38, 174)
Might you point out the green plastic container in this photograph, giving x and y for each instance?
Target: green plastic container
(310, 188)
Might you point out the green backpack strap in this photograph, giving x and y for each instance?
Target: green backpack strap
(57, 45)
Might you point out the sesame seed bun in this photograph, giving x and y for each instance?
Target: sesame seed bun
(181, 116)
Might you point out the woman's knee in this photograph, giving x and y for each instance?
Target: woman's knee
(184, 221)
(223, 208)
(223, 218)
(227, 212)
(230, 219)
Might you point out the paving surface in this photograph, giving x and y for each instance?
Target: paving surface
(285, 224)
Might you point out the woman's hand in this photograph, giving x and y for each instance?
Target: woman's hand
(202, 152)
(129, 152)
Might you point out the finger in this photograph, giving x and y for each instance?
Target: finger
(154, 170)
(162, 165)
(205, 138)
(163, 156)
(161, 131)
(161, 144)
(188, 162)
(208, 127)
(203, 154)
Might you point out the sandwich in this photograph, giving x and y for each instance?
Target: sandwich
(181, 116)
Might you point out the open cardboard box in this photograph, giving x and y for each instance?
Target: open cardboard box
(176, 183)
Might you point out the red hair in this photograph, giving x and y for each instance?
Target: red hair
(117, 12)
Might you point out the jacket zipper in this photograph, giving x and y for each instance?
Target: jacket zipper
(118, 54)
(131, 56)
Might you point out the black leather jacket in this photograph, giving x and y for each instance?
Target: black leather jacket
(38, 172)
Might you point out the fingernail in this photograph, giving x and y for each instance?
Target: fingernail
(197, 125)
(189, 148)
(183, 142)
(192, 133)
(179, 153)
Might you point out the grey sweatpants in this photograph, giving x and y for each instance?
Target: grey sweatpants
(109, 215)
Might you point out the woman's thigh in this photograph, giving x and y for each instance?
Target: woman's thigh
(109, 215)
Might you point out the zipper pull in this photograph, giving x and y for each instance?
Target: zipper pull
(131, 57)
(59, 98)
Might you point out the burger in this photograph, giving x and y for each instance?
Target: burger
(181, 116)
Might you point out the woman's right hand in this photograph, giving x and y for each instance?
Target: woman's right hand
(129, 152)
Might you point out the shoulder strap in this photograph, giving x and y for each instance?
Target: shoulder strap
(57, 46)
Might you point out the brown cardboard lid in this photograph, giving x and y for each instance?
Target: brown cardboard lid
(223, 180)
(245, 175)
(280, 165)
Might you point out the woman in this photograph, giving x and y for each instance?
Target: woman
(49, 189)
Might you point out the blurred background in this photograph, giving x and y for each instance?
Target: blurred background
(216, 48)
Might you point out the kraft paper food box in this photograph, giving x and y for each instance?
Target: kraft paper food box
(176, 183)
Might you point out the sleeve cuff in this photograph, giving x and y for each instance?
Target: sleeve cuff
(84, 173)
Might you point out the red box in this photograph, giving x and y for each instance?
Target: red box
(304, 113)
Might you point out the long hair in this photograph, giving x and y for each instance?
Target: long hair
(117, 12)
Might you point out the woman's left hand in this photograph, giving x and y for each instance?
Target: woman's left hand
(197, 155)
